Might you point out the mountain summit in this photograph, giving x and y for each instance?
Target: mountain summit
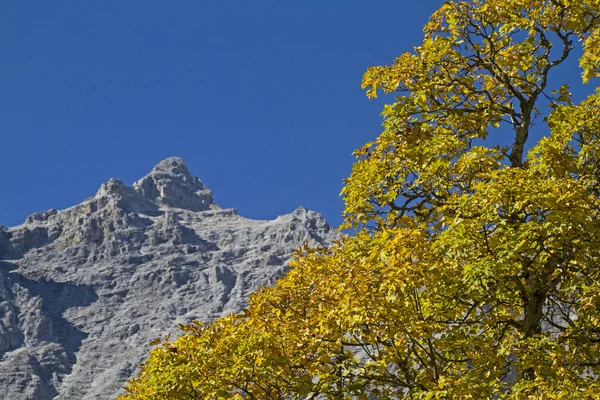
(170, 183)
(84, 290)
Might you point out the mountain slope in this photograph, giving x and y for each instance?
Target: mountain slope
(83, 290)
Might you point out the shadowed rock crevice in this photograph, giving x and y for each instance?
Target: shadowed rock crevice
(11, 336)
(20, 242)
(38, 344)
(56, 298)
(227, 279)
(5, 245)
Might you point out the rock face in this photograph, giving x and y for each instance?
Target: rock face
(84, 290)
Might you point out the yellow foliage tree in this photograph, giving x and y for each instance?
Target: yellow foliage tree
(474, 271)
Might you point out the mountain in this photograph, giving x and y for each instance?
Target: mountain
(84, 290)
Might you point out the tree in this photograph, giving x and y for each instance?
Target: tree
(474, 269)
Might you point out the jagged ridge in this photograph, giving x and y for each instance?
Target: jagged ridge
(85, 289)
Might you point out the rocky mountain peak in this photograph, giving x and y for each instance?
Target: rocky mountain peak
(172, 166)
(171, 184)
(84, 290)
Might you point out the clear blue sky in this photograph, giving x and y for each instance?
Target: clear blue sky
(261, 98)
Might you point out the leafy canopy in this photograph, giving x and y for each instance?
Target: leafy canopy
(474, 271)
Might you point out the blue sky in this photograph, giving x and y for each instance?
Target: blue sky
(262, 99)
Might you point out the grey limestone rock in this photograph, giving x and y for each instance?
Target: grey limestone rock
(171, 184)
(84, 290)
